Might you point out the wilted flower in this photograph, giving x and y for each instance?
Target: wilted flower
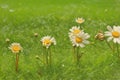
(113, 34)
(80, 20)
(48, 41)
(15, 47)
(100, 36)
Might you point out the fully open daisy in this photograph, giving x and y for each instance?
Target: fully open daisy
(80, 39)
(80, 20)
(15, 47)
(74, 31)
(48, 41)
(113, 34)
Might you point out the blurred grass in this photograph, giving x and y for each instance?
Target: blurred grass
(20, 19)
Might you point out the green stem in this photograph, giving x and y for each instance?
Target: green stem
(50, 57)
(109, 46)
(17, 59)
(117, 49)
(77, 55)
(46, 57)
(74, 48)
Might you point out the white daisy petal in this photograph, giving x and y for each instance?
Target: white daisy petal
(109, 39)
(118, 40)
(86, 42)
(115, 40)
(82, 45)
(109, 28)
(108, 33)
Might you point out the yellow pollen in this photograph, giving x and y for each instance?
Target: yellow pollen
(78, 39)
(16, 48)
(115, 34)
(47, 41)
(80, 20)
(76, 31)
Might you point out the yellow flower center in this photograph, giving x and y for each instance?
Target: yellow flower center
(47, 41)
(76, 31)
(78, 39)
(80, 20)
(115, 34)
(16, 48)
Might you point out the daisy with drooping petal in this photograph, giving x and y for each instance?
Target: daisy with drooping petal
(15, 47)
(113, 34)
(80, 20)
(80, 40)
(48, 41)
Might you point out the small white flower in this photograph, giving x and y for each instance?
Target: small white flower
(15, 47)
(80, 39)
(80, 20)
(74, 31)
(113, 34)
(48, 41)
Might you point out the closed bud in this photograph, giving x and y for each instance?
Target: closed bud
(100, 36)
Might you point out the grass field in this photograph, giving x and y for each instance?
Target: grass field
(20, 19)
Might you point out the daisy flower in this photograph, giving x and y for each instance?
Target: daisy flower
(80, 40)
(80, 20)
(15, 47)
(48, 41)
(113, 34)
(74, 31)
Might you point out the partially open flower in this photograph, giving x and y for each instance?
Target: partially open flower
(36, 34)
(100, 36)
(7, 40)
(48, 41)
(15, 47)
(80, 20)
(37, 57)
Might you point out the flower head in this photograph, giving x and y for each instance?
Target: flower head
(48, 41)
(36, 34)
(74, 31)
(113, 34)
(15, 47)
(80, 20)
(80, 39)
(100, 36)
(7, 40)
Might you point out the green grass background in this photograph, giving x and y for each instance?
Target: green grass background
(20, 19)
